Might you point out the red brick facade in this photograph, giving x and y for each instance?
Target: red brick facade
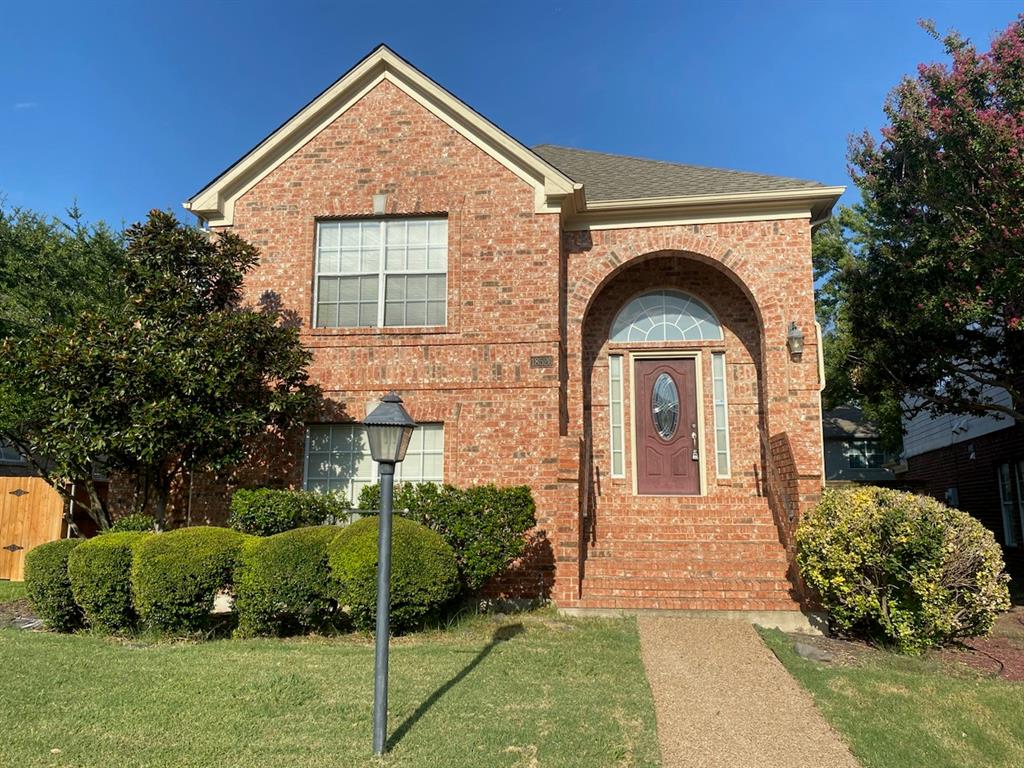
(519, 375)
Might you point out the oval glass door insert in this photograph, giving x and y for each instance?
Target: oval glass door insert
(665, 406)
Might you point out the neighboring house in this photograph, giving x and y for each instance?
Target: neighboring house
(613, 332)
(853, 449)
(975, 463)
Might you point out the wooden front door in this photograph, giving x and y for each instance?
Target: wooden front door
(667, 445)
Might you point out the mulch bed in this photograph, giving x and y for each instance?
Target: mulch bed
(16, 613)
(1001, 654)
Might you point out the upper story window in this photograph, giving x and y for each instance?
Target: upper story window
(382, 272)
(864, 454)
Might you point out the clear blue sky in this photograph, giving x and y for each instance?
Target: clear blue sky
(134, 105)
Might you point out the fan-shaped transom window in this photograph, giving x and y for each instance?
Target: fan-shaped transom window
(666, 316)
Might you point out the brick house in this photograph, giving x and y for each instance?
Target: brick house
(609, 330)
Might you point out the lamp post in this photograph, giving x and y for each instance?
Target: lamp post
(388, 431)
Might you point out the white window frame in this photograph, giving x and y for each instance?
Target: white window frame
(859, 447)
(383, 272)
(720, 400)
(1004, 479)
(615, 417)
(362, 480)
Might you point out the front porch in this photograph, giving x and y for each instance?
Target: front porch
(688, 496)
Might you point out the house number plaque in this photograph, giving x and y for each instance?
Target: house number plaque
(541, 361)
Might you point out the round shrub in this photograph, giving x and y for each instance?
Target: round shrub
(100, 571)
(266, 511)
(424, 575)
(138, 522)
(902, 569)
(284, 586)
(48, 586)
(176, 575)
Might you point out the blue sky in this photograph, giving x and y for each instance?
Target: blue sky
(130, 106)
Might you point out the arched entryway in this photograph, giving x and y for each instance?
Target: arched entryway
(674, 442)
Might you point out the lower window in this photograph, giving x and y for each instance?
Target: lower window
(338, 459)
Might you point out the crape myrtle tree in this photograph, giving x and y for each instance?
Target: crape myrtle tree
(933, 291)
(176, 376)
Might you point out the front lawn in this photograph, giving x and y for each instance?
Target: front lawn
(11, 590)
(521, 691)
(904, 712)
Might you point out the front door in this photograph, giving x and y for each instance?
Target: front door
(667, 446)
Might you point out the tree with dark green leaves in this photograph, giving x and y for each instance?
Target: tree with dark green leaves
(176, 376)
(934, 298)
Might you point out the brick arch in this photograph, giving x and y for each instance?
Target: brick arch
(640, 246)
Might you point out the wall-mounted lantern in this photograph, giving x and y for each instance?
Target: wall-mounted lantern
(795, 341)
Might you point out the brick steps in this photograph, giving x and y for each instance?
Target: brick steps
(707, 603)
(692, 556)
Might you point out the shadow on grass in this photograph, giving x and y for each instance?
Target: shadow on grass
(501, 635)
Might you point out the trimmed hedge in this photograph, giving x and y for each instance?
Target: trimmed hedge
(138, 522)
(266, 511)
(424, 574)
(485, 525)
(902, 569)
(176, 575)
(284, 586)
(48, 586)
(100, 574)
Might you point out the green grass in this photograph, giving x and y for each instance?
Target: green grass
(531, 690)
(898, 711)
(11, 590)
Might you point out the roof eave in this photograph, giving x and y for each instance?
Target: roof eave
(815, 203)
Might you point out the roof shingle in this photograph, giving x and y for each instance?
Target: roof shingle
(618, 177)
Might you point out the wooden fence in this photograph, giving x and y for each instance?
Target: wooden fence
(31, 513)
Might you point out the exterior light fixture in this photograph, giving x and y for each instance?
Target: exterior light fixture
(380, 204)
(795, 341)
(388, 431)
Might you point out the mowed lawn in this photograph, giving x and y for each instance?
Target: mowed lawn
(534, 690)
(11, 590)
(902, 712)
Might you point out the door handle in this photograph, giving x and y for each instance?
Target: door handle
(693, 437)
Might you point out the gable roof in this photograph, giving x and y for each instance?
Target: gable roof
(215, 202)
(848, 421)
(593, 189)
(620, 177)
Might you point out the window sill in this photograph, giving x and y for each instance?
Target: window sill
(399, 330)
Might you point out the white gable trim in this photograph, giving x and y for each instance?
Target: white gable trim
(216, 202)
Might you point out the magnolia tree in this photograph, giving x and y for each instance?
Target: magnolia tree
(934, 292)
(174, 375)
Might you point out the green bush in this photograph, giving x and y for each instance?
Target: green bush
(284, 585)
(902, 569)
(424, 574)
(48, 586)
(176, 575)
(485, 526)
(137, 522)
(100, 573)
(265, 511)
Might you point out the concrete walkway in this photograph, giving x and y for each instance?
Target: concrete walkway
(723, 699)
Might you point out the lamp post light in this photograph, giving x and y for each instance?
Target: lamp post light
(388, 431)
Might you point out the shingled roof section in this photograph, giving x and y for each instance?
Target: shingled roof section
(618, 177)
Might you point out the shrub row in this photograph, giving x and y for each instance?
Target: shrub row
(901, 569)
(485, 525)
(266, 511)
(303, 580)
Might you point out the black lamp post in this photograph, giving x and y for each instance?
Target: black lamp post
(388, 431)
